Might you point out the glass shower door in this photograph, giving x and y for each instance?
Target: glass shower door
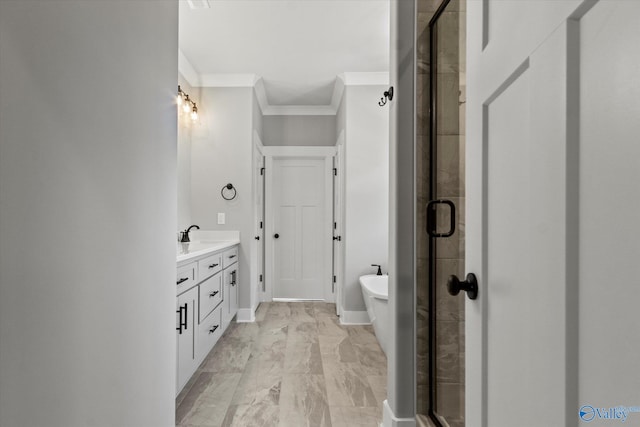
(445, 213)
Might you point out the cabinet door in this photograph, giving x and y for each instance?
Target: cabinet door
(233, 292)
(186, 336)
(226, 298)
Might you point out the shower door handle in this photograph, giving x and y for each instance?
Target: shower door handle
(470, 286)
(431, 218)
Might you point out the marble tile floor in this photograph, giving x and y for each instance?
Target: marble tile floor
(295, 366)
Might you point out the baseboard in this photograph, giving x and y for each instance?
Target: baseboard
(389, 419)
(246, 315)
(354, 318)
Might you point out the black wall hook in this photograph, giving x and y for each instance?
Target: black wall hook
(229, 187)
(388, 94)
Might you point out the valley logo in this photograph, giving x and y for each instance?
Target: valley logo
(589, 413)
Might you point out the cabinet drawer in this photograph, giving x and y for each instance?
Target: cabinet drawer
(229, 257)
(210, 295)
(209, 266)
(186, 276)
(209, 331)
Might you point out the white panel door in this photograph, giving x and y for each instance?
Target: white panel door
(553, 203)
(301, 226)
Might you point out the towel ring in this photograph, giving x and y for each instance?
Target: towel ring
(229, 187)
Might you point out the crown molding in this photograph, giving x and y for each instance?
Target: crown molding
(261, 95)
(228, 80)
(186, 69)
(338, 92)
(299, 110)
(366, 79)
(255, 81)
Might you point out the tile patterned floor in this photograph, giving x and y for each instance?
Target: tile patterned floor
(295, 366)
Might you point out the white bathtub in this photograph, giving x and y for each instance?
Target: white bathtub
(375, 291)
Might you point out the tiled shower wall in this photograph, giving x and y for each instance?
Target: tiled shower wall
(449, 256)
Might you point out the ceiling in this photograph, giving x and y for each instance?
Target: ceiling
(297, 47)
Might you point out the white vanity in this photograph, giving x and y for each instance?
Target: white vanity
(207, 297)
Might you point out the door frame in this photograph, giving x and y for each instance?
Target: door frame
(338, 218)
(257, 268)
(272, 153)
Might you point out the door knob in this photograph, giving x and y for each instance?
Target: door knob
(470, 285)
(276, 235)
(257, 237)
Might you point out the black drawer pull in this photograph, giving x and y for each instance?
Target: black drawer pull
(213, 294)
(183, 279)
(213, 329)
(213, 265)
(231, 256)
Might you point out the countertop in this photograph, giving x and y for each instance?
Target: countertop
(205, 242)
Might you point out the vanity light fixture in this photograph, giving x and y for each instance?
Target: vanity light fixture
(187, 105)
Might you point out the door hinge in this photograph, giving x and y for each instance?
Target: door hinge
(261, 278)
(260, 225)
(333, 285)
(334, 279)
(335, 171)
(261, 171)
(335, 225)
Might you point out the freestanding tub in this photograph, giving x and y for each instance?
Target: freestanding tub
(375, 291)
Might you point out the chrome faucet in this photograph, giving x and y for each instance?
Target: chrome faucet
(184, 235)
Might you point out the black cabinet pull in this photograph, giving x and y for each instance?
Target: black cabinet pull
(181, 323)
(213, 329)
(213, 294)
(231, 256)
(233, 278)
(183, 279)
(213, 265)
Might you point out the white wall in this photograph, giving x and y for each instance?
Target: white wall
(221, 153)
(88, 202)
(366, 188)
(185, 130)
(299, 130)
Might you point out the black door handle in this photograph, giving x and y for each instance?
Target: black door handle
(276, 235)
(431, 218)
(470, 285)
(257, 237)
(338, 238)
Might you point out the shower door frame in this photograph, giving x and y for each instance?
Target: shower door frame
(433, 172)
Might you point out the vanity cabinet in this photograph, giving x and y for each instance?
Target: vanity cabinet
(207, 300)
(186, 318)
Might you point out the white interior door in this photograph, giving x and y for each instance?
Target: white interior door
(301, 228)
(552, 208)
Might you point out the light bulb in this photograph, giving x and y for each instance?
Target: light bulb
(179, 96)
(194, 114)
(185, 105)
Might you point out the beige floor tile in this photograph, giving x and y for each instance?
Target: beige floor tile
(337, 348)
(347, 385)
(255, 415)
(207, 402)
(303, 401)
(303, 357)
